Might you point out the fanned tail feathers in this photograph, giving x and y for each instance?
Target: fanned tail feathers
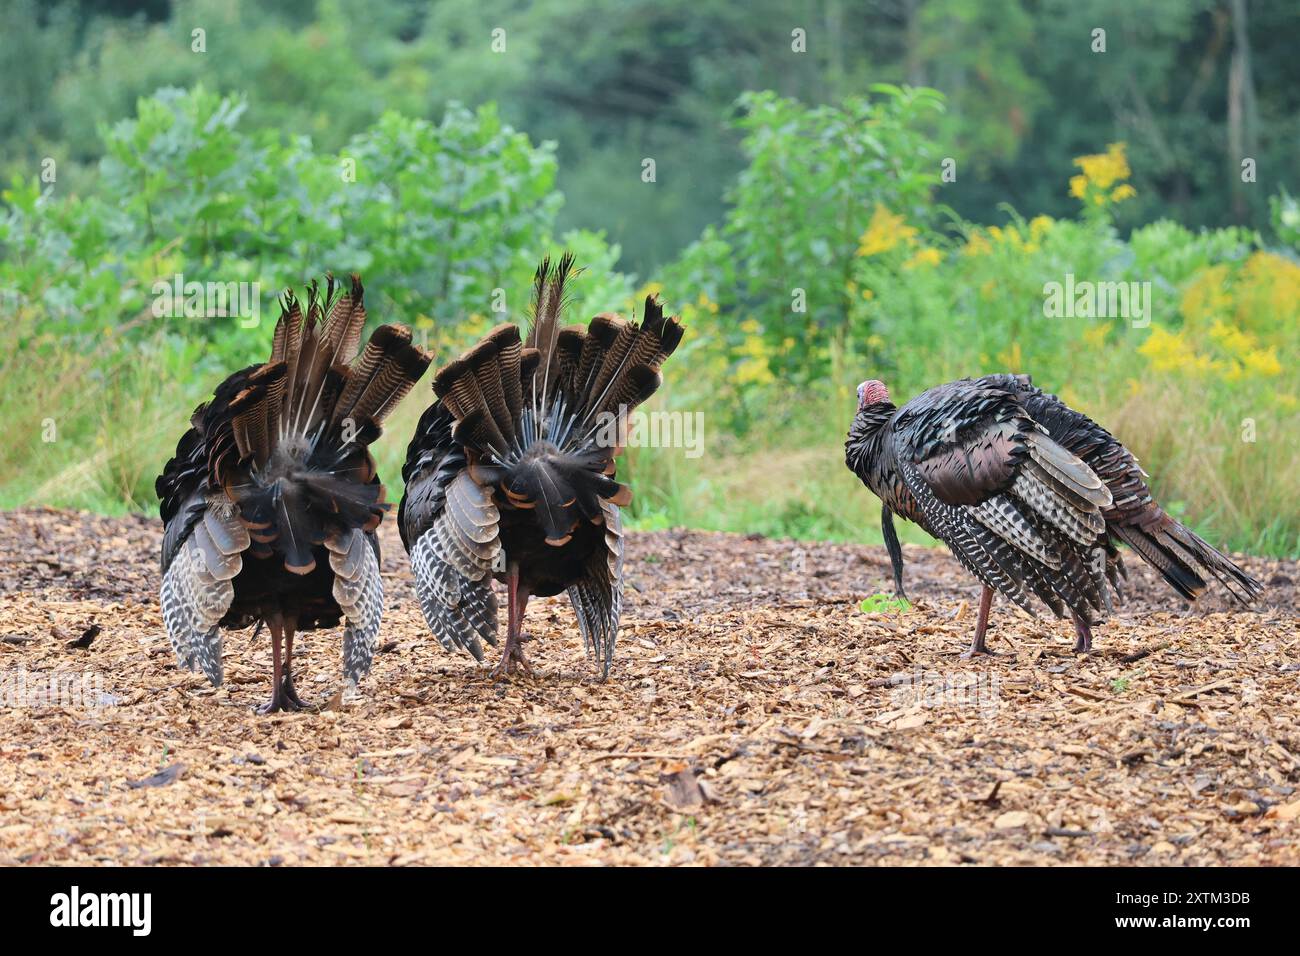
(536, 414)
(276, 467)
(520, 442)
(1133, 516)
(290, 445)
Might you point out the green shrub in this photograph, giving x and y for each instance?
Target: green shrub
(436, 216)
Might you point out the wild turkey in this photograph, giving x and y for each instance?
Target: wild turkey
(511, 474)
(271, 503)
(1030, 496)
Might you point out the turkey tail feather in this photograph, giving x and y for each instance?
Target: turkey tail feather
(1183, 559)
(1133, 515)
(288, 440)
(549, 298)
(277, 465)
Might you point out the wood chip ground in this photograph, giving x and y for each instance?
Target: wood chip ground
(754, 715)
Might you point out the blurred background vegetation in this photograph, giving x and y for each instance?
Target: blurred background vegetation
(797, 218)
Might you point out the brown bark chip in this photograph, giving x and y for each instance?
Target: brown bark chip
(753, 715)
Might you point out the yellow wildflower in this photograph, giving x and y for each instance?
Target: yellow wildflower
(1103, 170)
(649, 289)
(1231, 338)
(1102, 181)
(1207, 296)
(1268, 293)
(884, 232)
(753, 368)
(753, 372)
(1096, 336)
(1040, 226)
(977, 245)
(1262, 362)
(1166, 350)
(924, 257)
(1170, 351)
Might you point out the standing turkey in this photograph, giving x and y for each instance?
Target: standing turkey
(511, 473)
(1030, 496)
(271, 503)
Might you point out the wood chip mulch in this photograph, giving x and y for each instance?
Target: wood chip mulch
(754, 716)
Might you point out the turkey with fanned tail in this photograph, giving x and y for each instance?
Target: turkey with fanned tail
(271, 503)
(511, 474)
(1030, 495)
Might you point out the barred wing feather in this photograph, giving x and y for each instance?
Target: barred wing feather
(453, 563)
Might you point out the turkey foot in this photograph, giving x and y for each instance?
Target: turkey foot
(290, 694)
(982, 651)
(514, 650)
(279, 703)
(513, 659)
(283, 695)
(285, 700)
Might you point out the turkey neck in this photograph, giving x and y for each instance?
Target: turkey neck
(869, 453)
(866, 447)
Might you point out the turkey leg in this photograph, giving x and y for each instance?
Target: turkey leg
(895, 549)
(517, 602)
(291, 699)
(981, 624)
(277, 702)
(1083, 644)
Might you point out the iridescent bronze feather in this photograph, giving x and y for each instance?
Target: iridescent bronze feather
(1030, 496)
(271, 501)
(509, 475)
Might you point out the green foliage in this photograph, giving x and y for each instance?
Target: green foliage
(841, 202)
(1285, 218)
(1194, 384)
(883, 604)
(1171, 254)
(658, 78)
(436, 216)
(814, 177)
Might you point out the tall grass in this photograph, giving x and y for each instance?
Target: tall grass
(116, 412)
(82, 422)
(91, 427)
